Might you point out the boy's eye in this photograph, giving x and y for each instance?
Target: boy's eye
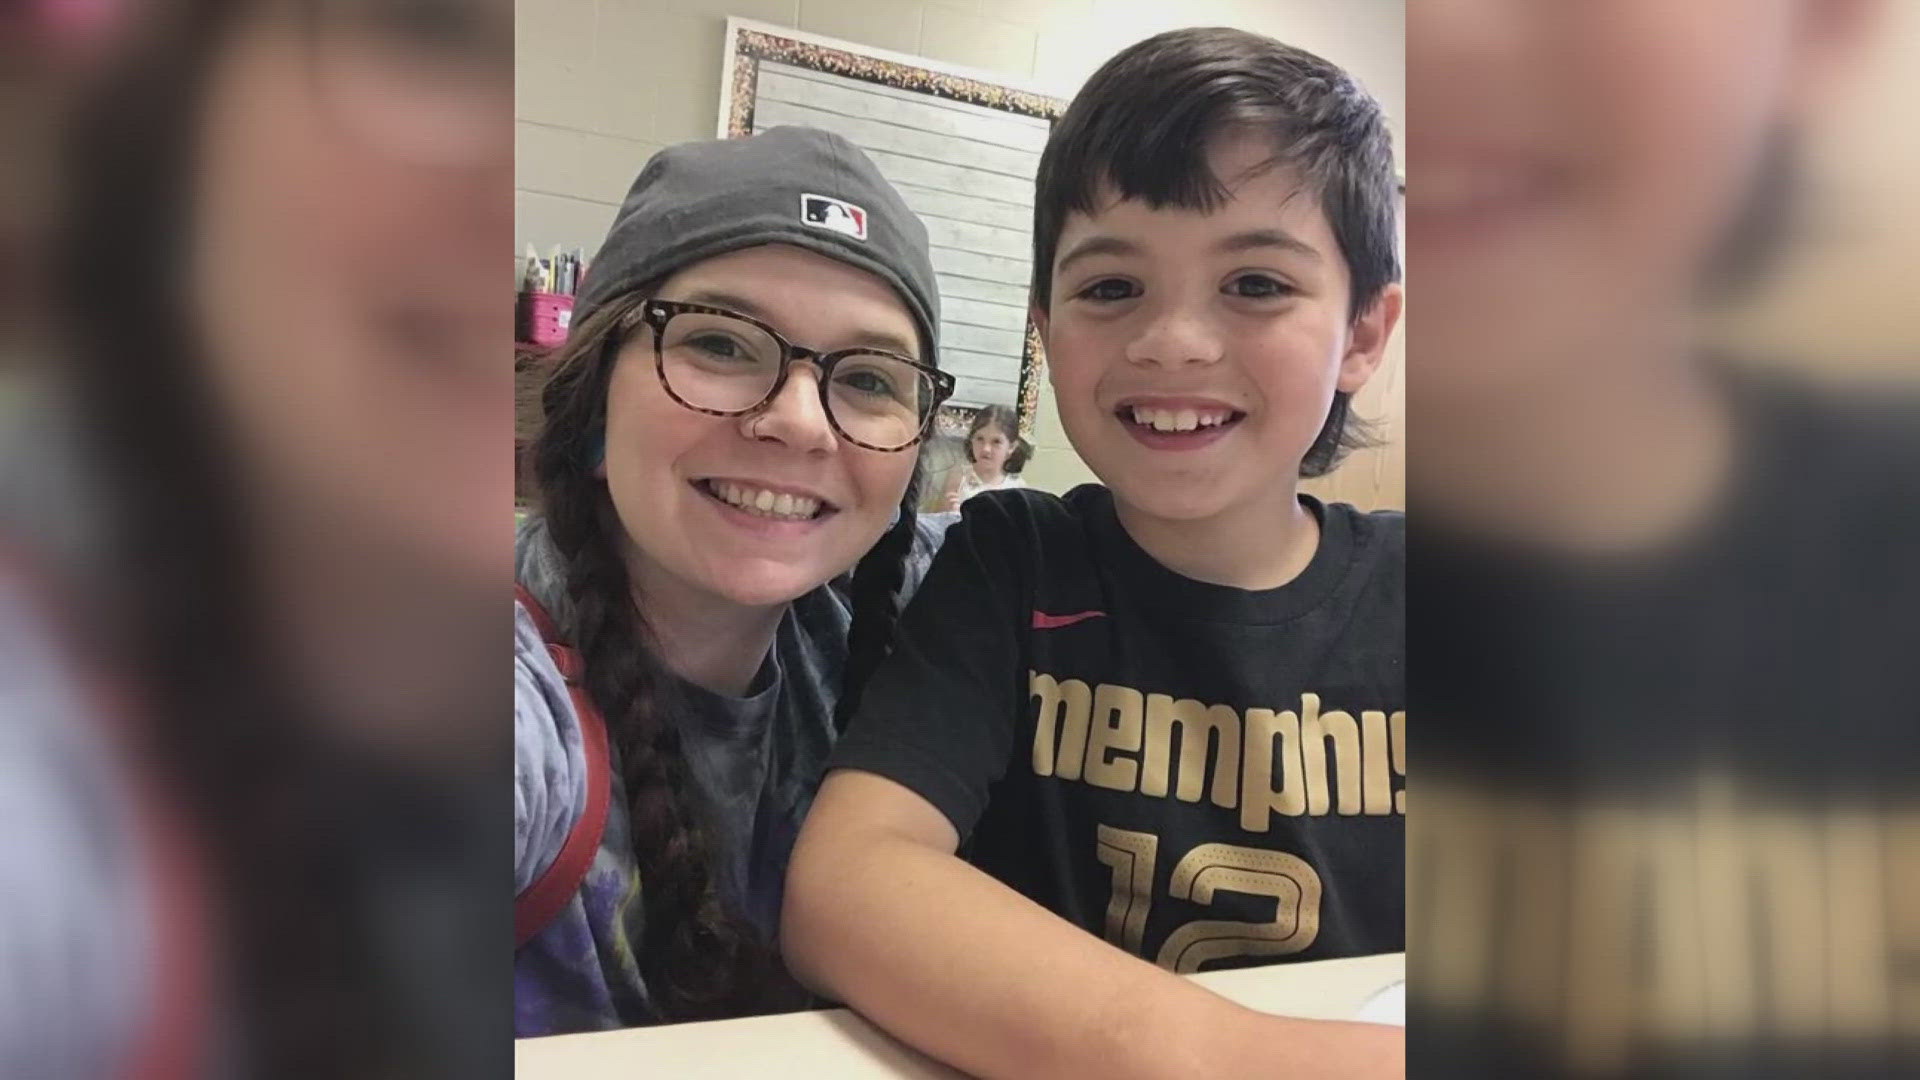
(1258, 287)
(1109, 290)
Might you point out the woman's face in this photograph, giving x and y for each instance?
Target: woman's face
(689, 487)
(352, 210)
(991, 449)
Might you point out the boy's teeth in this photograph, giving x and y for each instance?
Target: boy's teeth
(766, 503)
(1177, 419)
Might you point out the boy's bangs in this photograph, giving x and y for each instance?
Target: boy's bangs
(1165, 164)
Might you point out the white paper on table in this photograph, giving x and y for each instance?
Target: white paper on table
(1388, 1006)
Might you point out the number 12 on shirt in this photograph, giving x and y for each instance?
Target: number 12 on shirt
(1292, 883)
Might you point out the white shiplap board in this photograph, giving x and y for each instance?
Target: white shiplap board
(967, 170)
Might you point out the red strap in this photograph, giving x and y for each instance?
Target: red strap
(542, 621)
(535, 908)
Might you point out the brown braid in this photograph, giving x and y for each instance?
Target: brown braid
(876, 585)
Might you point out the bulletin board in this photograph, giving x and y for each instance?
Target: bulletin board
(961, 148)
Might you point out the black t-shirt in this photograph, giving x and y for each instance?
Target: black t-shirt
(1786, 617)
(1205, 776)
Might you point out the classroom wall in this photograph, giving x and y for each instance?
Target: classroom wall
(1841, 299)
(602, 84)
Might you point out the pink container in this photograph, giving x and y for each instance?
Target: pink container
(543, 318)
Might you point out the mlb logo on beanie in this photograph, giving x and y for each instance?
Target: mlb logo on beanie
(836, 214)
(696, 200)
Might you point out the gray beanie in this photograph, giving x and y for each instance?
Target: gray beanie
(788, 185)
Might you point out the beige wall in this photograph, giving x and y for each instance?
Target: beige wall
(602, 84)
(1842, 301)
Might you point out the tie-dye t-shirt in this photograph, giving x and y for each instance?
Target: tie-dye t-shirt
(756, 761)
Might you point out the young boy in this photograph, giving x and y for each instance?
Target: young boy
(1166, 710)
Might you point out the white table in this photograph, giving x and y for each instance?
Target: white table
(837, 1043)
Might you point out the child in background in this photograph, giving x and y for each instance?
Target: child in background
(995, 454)
(1162, 711)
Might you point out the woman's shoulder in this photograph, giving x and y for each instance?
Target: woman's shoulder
(539, 567)
(549, 754)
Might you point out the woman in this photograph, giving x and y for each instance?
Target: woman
(730, 428)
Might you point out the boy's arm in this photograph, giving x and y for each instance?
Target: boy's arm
(882, 914)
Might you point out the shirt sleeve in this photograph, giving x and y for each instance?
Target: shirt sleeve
(549, 756)
(939, 715)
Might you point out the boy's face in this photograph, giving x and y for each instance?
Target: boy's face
(1194, 356)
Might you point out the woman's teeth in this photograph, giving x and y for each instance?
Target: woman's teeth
(765, 503)
(1179, 419)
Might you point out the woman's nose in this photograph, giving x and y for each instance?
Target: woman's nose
(796, 416)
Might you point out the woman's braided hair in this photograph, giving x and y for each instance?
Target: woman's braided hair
(876, 588)
(699, 959)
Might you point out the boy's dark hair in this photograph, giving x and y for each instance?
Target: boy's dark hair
(999, 416)
(1143, 124)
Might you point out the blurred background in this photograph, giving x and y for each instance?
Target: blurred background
(1663, 487)
(1841, 298)
(253, 346)
(254, 389)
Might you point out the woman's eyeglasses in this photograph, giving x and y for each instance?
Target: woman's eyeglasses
(722, 363)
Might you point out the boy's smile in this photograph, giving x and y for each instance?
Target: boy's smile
(1177, 423)
(1195, 355)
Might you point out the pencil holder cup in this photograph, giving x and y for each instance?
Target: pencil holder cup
(543, 318)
